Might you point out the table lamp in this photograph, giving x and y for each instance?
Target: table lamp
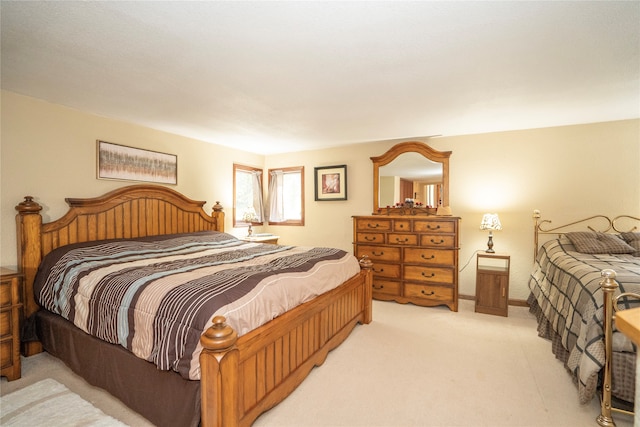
(249, 215)
(490, 222)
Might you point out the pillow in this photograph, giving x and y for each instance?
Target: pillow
(633, 239)
(592, 242)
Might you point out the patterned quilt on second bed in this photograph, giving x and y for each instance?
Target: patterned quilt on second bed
(566, 284)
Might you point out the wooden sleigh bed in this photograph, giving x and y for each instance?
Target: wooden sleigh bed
(588, 270)
(240, 376)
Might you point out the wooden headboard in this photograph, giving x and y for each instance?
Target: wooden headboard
(599, 223)
(128, 212)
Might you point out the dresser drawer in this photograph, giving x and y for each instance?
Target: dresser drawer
(429, 256)
(434, 226)
(6, 324)
(431, 274)
(436, 293)
(5, 294)
(386, 287)
(435, 240)
(379, 253)
(373, 224)
(386, 270)
(370, 238)
(402, 239)
(402, 225)
(6, 353)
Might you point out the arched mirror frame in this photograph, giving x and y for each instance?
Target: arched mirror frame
(410, 147)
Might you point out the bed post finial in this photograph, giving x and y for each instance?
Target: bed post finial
(609, 286)
(28, 206)
(219, 336)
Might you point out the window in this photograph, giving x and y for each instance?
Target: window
(286, 196)
(247, 195)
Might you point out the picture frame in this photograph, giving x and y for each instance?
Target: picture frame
(121, 162)
(330, 183)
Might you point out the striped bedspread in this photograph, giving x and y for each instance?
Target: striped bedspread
(566, 285)
(155, 296)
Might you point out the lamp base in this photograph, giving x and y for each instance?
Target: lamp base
(490, 245)
(249, 231)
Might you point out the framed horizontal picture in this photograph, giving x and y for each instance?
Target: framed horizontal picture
(331, 183)
(135, 164)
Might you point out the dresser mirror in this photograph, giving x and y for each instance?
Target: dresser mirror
(411, 175)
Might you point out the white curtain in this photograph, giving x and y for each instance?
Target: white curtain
(276, 202)
(258, 205)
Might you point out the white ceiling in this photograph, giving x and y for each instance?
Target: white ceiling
(271, 77)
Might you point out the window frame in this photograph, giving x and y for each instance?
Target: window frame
(236, 167)
(292, 222)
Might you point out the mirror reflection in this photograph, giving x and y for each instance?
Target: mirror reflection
(411, 176)
(411, 172)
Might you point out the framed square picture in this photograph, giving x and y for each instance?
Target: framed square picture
(331, 183)
(135, 164)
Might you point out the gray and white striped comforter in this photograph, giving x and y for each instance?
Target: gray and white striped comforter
(566, 285)
(156, 296)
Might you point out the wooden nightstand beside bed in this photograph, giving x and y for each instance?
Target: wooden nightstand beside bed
(10, 313)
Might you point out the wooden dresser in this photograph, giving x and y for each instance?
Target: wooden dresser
(10, 309)
(415, 258)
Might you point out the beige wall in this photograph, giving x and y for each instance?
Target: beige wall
(567, 172)
(49, 152)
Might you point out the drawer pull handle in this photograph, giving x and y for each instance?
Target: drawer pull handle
(405, 240)
(370, 239)
(428, 275)
(378, 287)
(437, 243)
(369, 225)
(378, 271)
(424, 257)
(401, 225)
(437, 227)
(374, 253)
(423, 292)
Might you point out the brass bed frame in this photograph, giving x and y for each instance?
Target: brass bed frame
(609, 285)
(241, 377)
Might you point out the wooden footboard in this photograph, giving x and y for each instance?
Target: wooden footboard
(244, 377)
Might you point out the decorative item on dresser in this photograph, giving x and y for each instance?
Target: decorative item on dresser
(492, 284)
(10, 314)
(415, 258)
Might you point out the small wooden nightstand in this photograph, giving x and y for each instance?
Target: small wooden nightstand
(10, 310)
(267, 238)
(492, 284)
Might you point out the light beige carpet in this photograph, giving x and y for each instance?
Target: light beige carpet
(411, 367)
(49, 403)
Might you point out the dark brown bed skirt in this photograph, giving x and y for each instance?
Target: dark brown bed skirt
(623, 364)
(164, 398)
